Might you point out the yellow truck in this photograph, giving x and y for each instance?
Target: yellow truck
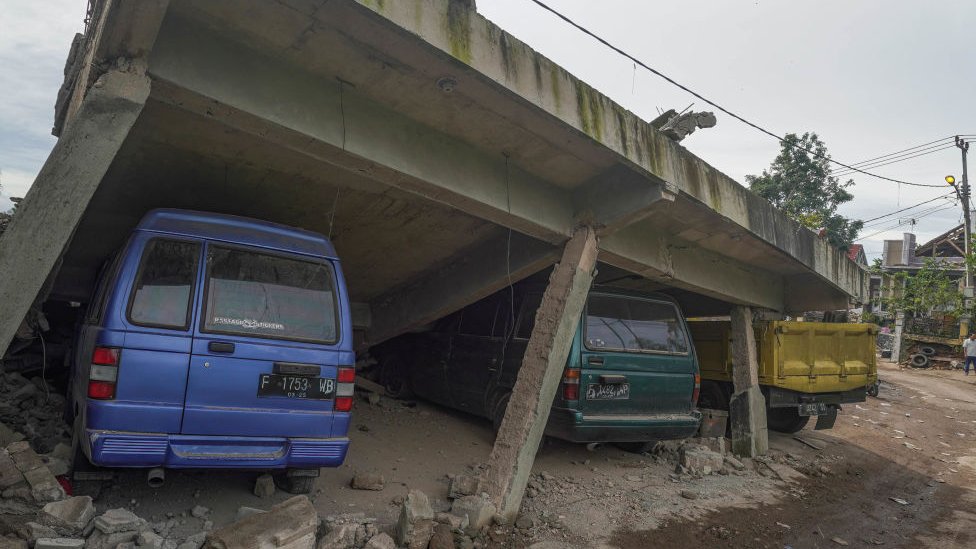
(806, 369)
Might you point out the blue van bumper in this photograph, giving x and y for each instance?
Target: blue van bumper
(574, 426)
(120, 449)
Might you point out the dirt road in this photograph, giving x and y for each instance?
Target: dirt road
(905, 465)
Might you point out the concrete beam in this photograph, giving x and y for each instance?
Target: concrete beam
(747, 407)
(528, 409)
(120, 33)
(618, 198)
(330, 121)
(49, 214)
(470, 276)
(651, 254)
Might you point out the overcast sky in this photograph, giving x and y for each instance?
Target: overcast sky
(870, 77)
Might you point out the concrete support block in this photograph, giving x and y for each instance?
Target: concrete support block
(747, 408)
(556, 321)
(40, 232)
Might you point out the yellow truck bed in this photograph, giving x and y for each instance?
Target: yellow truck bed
(806, 357)
(806, 369)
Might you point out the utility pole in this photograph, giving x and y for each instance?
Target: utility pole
(962, 191)
(967, 228)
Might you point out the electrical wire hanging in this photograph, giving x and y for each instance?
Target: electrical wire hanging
(677, 84)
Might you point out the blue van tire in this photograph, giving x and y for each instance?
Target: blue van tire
(295, 485)
(394, 380)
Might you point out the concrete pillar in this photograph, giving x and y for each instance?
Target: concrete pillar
(747, 408)
(545, 358)
(899, 330)
(41, 230)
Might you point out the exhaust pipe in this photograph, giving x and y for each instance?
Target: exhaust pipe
(156, 477)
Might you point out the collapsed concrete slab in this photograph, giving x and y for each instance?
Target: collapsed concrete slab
(291, 524)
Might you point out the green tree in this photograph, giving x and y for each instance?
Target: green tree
(803, 187)
(931, 288)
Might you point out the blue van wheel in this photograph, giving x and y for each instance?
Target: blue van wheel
(295, 485)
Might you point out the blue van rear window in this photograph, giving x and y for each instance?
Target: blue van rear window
(161, 295)
(257, 294)
(626, 324)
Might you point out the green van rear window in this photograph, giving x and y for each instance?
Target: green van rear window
(619, 323)
(256, 294)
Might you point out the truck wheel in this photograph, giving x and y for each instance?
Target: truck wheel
(785, 420)
(393, 377)
(295, 485)
(713, 397)
(927, 351)
(919, 361)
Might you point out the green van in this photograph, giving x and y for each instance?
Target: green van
(631, 378)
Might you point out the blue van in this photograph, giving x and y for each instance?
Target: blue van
(215, 341)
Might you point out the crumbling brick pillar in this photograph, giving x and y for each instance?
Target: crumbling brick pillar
(747, 408)
(545, 358)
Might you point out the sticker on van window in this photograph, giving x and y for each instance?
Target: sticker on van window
(248, 323)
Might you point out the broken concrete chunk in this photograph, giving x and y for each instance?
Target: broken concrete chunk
(368, 481)
(101, 540)
(69, 516)
(456, 523)
(59, 543)
(785, 472)
(264, 486)
(462, 485)
(8, 436)
(118, 520)
(342, 536)
(10, 475)
(36, 531)
(478, 510)
(244, 512)
(62, 451)
(381, 541)
(443, 538)
(699, 460)
(27, 460)
(10, 542)
(734, 463)
(291, 524)
(150, 540)
(193, 542)
(199, 511)
(44, 487)
(416, 522)
(715, 444)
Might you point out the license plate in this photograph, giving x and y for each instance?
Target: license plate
(313, 388)
(813, 409)
(608, 391)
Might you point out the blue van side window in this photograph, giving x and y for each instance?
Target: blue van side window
(255, 294)
(637, 325)
(164, 285)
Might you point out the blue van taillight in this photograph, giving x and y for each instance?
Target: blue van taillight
(571, 384)
(103, 373)
(345, 387)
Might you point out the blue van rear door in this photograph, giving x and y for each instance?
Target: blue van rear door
(264, 358)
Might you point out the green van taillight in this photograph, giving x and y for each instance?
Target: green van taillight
(571, 384)
(696, 392)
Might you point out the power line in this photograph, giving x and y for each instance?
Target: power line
(869, 160)
(905, 223)
(658, 73)
(842, 172)
(908, 208)
(916, 215)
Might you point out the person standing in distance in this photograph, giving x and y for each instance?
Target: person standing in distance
(969, 346)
